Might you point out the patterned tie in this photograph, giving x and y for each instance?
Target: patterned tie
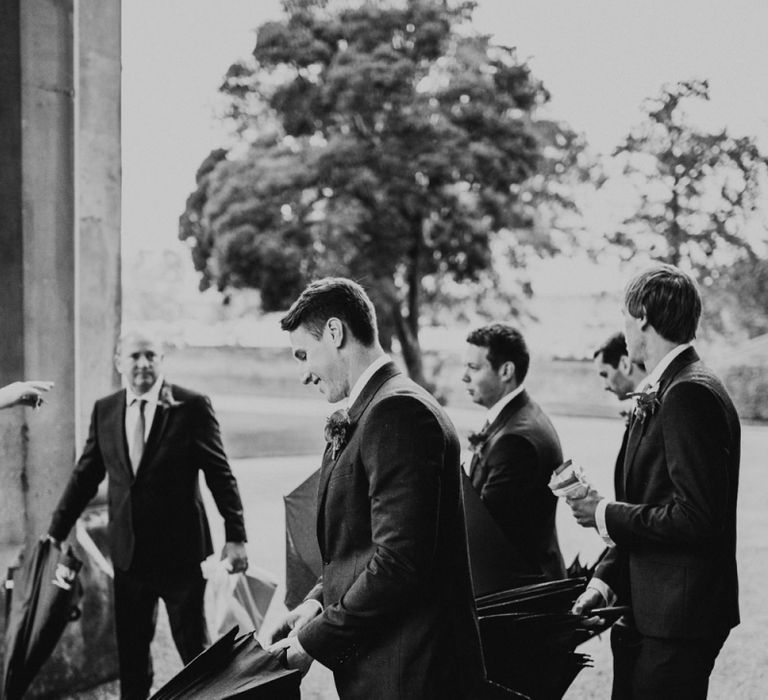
(136, 446)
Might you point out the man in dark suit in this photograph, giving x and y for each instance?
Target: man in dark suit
(672, 529)
(620, 375)
(392, 614)
(517, 450)
(152, 439)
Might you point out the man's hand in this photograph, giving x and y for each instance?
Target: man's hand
(295, 656)
(294, 620)
(584, 508)
(24, 393)
(587, 601)
(235, 554)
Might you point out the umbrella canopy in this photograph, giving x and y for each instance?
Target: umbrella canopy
(233, 667)
(495, 563)
(303, 563)
(44, 597)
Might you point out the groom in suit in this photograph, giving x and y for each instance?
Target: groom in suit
(152, 439)
(392, 614)
(517, 450)
(672, 528)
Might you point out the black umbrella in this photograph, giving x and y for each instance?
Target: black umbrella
(303, 563)
(43, 598)
(233, 667)
(495, 563)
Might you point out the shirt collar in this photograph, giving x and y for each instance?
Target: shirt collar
(151, 396)
(496, 409)
(653, 378)
(365, 377)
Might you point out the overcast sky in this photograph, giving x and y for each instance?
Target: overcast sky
(598, 58)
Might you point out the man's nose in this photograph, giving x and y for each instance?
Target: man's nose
(306, 378)
(465, 378)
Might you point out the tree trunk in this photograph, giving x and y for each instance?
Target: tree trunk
(410, 348)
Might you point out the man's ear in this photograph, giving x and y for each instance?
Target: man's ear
(336, 332)
(644, 324)
(507, 371)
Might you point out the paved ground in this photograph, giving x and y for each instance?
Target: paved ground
(742, 669)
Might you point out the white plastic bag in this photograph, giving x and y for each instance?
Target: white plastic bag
(235, 599)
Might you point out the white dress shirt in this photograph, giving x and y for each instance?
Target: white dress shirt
(495, 410)
(152, 397)
(365, 377)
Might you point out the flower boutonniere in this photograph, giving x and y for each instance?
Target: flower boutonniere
(646, 404)
(166, 399)
(337, 429)
(477, 440)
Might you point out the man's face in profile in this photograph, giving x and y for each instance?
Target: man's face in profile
(615, 379)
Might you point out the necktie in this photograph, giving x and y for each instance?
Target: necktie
(136, 445)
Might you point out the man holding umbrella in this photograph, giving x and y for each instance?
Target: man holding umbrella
(392, 614)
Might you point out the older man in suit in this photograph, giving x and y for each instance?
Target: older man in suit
(152, 439)
(672, 529)
(392, 615)
(516, 451)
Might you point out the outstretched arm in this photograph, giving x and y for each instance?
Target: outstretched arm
(28, 393)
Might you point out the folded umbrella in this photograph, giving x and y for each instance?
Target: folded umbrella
(233, 667)
(533, 654)
(44, 591)
(495, 563)
(303, 563)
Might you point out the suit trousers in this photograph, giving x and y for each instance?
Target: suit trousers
(650, 668)
(136, 598)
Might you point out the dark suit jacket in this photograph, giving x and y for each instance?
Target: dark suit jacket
(398, 619)
(675, 522)
(511, 473)
(157, 519)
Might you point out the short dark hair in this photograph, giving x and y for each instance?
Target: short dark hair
(505, 344)
(333, 297)
(612, 350)
(670, 300)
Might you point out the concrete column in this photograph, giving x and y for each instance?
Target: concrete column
(59, 276)
(97, 164)
(59, 237)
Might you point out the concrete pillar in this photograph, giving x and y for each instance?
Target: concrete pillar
(59, 237)
(59, 268)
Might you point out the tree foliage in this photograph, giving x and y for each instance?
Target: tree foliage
(385, 142)
(698, 190)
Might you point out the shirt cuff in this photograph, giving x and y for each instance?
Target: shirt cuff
(316, 602)
(602, 528)
(603, 589)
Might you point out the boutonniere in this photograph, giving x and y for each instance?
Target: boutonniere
(646, 404)
(166, 399)
(477, 440)
(337, 429)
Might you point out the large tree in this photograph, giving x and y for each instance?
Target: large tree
(386, 142)
(699, 191)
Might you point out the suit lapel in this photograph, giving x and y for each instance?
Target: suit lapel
(159, 424)
(637, 427)
(115, 428)
(382, 375)
(494, 430)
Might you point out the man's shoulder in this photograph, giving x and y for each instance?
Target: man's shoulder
(180, 393)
